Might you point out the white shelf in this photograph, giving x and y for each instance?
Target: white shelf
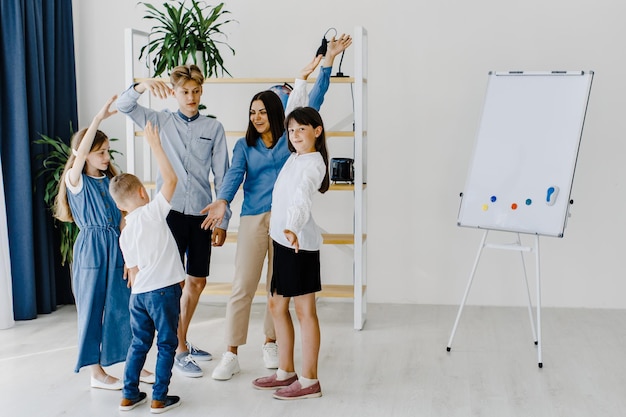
(358, 290)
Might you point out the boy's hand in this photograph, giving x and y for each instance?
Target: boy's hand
(151, 134)
(218, 237)
(157, 88)
(130, 274)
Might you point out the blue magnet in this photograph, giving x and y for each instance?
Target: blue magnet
(551, 195)
(493, 198)
(529, 201)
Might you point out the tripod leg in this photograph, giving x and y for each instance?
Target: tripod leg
(538, 274)
(530, 304)
(467, 290)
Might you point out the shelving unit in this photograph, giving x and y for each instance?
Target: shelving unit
(358, 289)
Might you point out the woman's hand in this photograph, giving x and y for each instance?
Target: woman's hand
(215, 214)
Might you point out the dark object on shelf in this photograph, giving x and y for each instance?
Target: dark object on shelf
(342, 170)
(323, 47)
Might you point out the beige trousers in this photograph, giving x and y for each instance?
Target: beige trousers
(253, 244)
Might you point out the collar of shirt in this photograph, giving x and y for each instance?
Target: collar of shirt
(186, 118)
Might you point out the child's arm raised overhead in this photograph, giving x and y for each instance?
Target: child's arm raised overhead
(298, 96)
(85, 145)
(151, 134)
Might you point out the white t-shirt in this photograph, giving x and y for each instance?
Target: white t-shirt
(147, 243)
(292, 200)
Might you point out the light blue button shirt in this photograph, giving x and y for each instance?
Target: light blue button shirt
(195, 146)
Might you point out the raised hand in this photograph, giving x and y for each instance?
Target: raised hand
(158, 88)
(151, 134)
(106, 112)
(310, 67)
(338, 45)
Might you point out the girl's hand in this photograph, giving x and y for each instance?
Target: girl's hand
(292, 238)
(106, 112)
(310, 67)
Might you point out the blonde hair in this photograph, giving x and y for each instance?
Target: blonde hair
(183, 73)
(62, 209)
(123, 186)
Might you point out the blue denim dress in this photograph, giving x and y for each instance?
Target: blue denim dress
(99, 288)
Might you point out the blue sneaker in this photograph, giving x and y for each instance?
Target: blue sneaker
(185, 365)
(198, 354)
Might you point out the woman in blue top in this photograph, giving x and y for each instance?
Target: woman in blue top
(257, 160)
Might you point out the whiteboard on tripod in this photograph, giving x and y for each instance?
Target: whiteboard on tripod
(521, 174)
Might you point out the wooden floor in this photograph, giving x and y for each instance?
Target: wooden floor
(396, 366)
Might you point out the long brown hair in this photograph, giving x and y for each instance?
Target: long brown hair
(61, 205)
(310, 116)
(275, 117)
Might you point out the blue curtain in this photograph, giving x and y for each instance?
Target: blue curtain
(37, 96)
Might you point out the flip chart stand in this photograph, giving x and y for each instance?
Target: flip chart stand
(515, 246)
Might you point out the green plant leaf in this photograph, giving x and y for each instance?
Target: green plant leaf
(182, 31)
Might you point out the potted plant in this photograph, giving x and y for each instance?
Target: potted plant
(53, 164)
(186, 34)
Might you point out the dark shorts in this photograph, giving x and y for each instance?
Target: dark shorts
(294, 273)
(193, 242)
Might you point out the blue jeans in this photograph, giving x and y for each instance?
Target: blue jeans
(155, 310)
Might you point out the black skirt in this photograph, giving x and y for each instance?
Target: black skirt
(294, 273)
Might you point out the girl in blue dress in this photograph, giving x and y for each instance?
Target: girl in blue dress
(98, 279)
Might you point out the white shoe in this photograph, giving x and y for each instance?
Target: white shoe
(114, 385)
(270, 355)
(228, 366)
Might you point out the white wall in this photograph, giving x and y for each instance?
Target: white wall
(427, 77)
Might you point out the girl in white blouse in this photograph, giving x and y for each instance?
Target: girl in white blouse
(297, 240)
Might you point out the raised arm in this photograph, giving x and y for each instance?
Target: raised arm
(85, 145)
(334, 48)
(298, 96)
(128, 105)
(151, 134)
(157, 88)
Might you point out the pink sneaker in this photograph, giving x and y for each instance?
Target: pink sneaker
(270, 382)
(296, 392)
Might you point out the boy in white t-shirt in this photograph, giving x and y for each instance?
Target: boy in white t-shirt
(155, 273)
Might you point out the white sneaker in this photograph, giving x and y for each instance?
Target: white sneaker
(270, 355)
(228, 366)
